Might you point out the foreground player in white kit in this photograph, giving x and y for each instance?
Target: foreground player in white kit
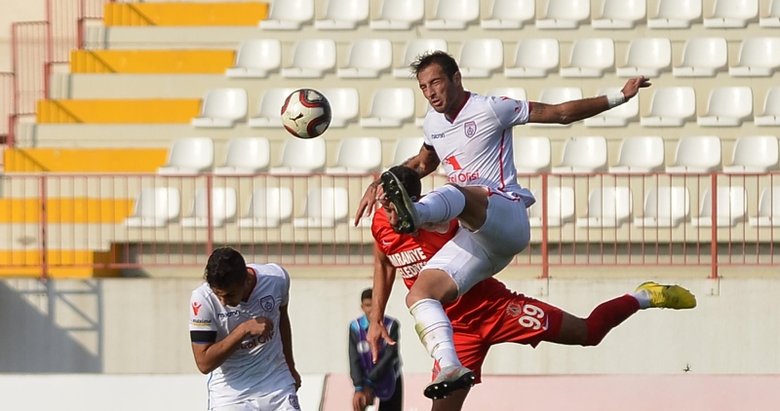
(472, 136)
(241, 335)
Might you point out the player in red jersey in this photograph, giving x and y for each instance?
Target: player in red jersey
(486, 315)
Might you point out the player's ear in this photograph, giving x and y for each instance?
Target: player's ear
(456, 78)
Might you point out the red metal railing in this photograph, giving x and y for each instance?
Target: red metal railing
(6, 104)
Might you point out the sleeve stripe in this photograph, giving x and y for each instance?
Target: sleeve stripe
(203, 336)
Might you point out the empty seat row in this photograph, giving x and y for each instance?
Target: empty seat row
(513, 14)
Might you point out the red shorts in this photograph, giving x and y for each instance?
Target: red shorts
(512, 318)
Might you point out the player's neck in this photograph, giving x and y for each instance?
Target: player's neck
(453, 114)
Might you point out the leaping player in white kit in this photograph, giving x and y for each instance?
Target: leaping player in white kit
(241, 335)
(472, 136)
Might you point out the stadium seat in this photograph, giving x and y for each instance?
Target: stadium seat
(728, 106)
(696, 154)
(390, 107)
(269, 207)
(222, 107)
(269, 108)
(223, 207)
(758, 57)
(768, 208)
(256, 58)
(620, 14)
(583, 155)
(773, 18)
(155, 207)
(564, 14)
(608, 207)
(675, 14)
(556, 95)
(670, 107)
(534, 58)
(479, 58)
(312, 58)
(344, 105)
(368, 58)
(639, 155)
(300, 156)
(702, 57)
(453, 15)
(288, 15)
(770, 116)
(419, 120)
(532, 155)
(509, 14)
(399, 14)
(732, 206)
(590, 57)
(560, 207)
(665, 207)
(325, 207)
(415, 48)
(732, 14)
(246, 155)
(618, 116)
(343, 15)
(517, 93)
(189, 155)
(405, 148)
(357, 155)
(647, 57)
(754, 154)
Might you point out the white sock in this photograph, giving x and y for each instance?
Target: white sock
(441, 205)
(435, 331)
(643, 298)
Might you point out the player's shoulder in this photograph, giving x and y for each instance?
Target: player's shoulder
(380, 225)
(271, 270)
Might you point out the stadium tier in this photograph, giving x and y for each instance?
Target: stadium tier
(184, 14)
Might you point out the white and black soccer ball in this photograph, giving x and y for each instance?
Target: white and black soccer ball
(306, 113)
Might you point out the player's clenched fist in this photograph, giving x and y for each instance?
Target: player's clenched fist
(258, 326)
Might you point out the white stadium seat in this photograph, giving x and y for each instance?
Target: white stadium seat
(702, 57)
(665, 207)
(344, 105)
(532, 155)
(768, 208)
(256, 58)
(618, 116)
(732, 14)
(509, 14)
(269, 108)
(754, 154)
(670, 107)
(479, 58)
(647, 57)
(222, 107)
(639, 155)
(696, 154)
(583, 155)
(368, 58)
(325, 207)
(155, 207)
(268, 208)
(560, 207)
(770, 116)
(608, 207)
(223, 207)
(453, 15)
(731, 207)
(728, 106)
(564, 14)
(405, 148)
(415, 48)
(246, 155)
(312, 58)
(357, 155)
(189, 155)
(773, 18)
(758, 57)
(620, 14)
(675, 14)
(301, 156)
(390, 107)
(517, 93)
(343, 15)
(590, 57)
(556, 95)
(399, 14)
(534, 58)
(288, 15)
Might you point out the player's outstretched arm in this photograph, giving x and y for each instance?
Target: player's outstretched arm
(384, 275)
(210, 354)
(576, 110)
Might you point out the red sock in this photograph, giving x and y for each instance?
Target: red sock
(609, 315)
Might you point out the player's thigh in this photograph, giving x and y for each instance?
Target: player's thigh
(507, 230)
(463, 259)
(526, 320)
(283, 400)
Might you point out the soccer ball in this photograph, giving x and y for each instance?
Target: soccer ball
(306, 113)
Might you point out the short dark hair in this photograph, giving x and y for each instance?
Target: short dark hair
(409, 179)
(438, 57)
(366, 294)
(225, 268)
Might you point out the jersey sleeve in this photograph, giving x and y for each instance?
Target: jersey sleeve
(508, 111)
(203, 328)
(285, 288)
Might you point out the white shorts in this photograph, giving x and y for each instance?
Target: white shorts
(472, 256)
(283, 400)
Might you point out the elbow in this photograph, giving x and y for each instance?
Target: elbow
(205, 368)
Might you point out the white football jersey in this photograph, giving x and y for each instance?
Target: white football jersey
(476, 147)
(258, 366)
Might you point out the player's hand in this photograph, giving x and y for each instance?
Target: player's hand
(258, 326)
(633, 85)
(377, 331)
(296, 377)
(360, 401)
(374, 193)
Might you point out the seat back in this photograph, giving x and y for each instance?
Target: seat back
(759, 153)
(374, 54)
(314, 54)
(560, 205)
(362, 154)
(769, 202)
(270, 103)
(555, 95)
(191, 154)
(402, 10)
(734, 102)
(763, 52)
(393, 102)
(160, 204)
(585, 153)
(250, 153)
(330, 204)
(572, 10)
(698, 153)
(597, 53)
(272, 203)
(642, 153)
(628, 110)
(517, 10)
(732, 204)
(298, 11)
(675, 102)
(405, 148)
(654, 53)
(772, 102)
(735, 9)
(667, 203)
(304, 154)
(353, 11)
(543, 53)
(613, 204)
(480, 57)
(263, 54)
(344, 104)
(223, 204)
(531, 154)
(705, 52)
(679, 9)
(457, 10)
(629, 10)
(224, 103)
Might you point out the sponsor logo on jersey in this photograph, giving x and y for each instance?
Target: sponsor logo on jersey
(258, 340)
(470, 128)
(228, 314)
(463, 177)
(408, 262)
(267, 303)
(437, 136)
(197, 322)
(196, 307)
(452, 162)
